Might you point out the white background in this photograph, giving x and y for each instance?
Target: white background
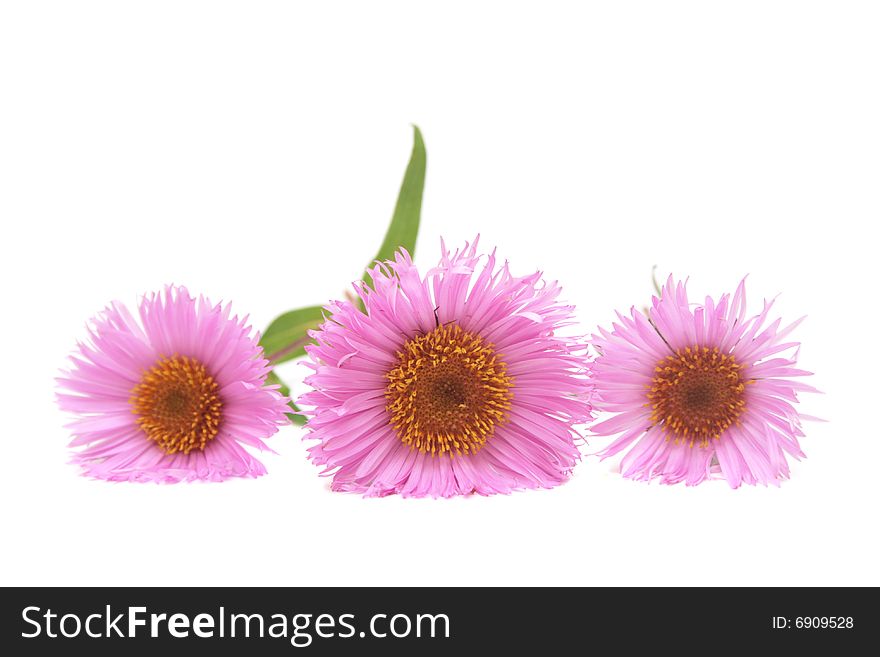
(253, 152)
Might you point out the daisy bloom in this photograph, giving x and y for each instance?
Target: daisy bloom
(450, 383)
(172, 397)
(699, 391)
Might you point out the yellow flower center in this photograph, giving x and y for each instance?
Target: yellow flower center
(448, 392)
(697, 394)
(178, 405)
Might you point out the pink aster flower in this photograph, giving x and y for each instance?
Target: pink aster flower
(699, 391)
(447, 384)
(172, 397)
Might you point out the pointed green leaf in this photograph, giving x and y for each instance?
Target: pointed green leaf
(287, 335)
(275, 380)
(404, 226)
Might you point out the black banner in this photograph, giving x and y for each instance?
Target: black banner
(432, 621)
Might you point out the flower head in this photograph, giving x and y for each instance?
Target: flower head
(171, 397)
(699, 391)
(447, 384)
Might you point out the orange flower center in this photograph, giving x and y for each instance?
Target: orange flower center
(448, 392)
(178, 405)
(697, 394)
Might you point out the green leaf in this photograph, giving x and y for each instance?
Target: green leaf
(296, 419)
(275, 380)
(287, 335)
(404, 226)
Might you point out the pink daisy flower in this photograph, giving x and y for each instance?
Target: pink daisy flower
(447, 384)
(173, 397)
(699, 391)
